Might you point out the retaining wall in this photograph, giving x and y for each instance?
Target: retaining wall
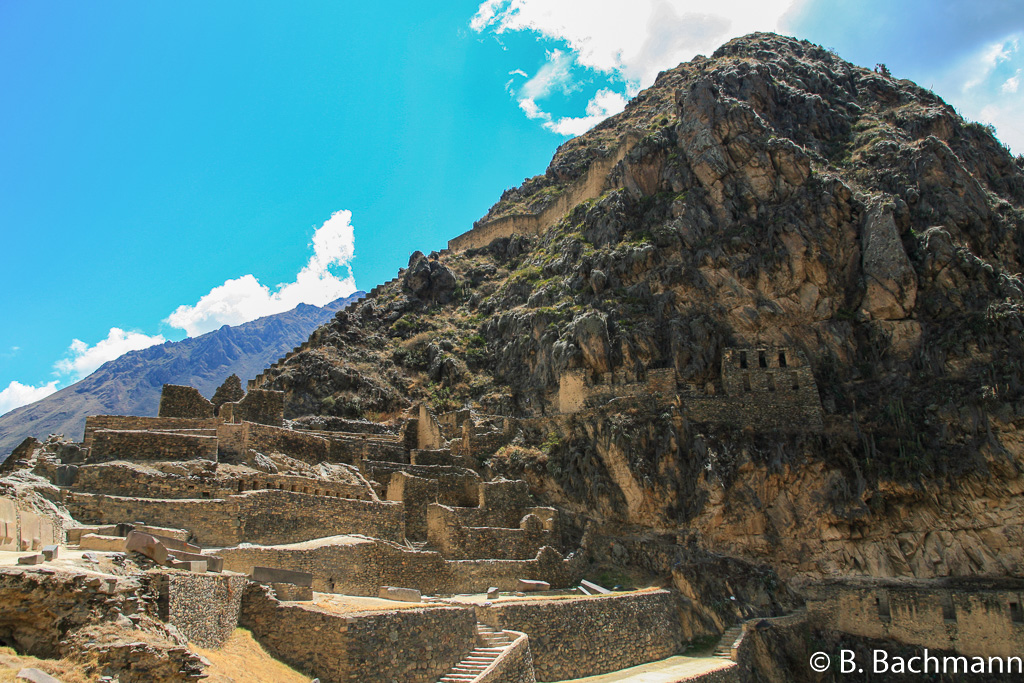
(149, 424)
(266, 517)
(139, 445)
(410, 645)
(204, 607)
(580, 637)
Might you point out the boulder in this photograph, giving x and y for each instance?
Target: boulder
(147, 545)
(530, 586)
(400, 594)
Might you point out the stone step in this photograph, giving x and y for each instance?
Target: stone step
(727, 641)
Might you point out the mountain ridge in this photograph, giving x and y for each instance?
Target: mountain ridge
(131, 383)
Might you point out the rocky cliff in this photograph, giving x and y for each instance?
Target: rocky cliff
(772, 196)
(130, 384)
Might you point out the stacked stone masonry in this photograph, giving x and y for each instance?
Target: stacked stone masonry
(588, 636)
(184, 402)
(204, 607)
(108, 444)
(266, 517)
(983, 622)
(360, 566)
(411, 645)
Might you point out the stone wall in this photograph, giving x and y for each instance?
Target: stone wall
(135, 481)
(152, 424)
(573, 638)
(416, 493)
(428, 434)
(410, 645)
(258, 405)
(447, 533)
(267, 517)
(295, 444)
(182, 401)
(515, 665)
(204, 607)
(590, 186)
(970, 620)
(357, 566)
(455, 485)
(109, 444)
(579, 389)
(23, 530)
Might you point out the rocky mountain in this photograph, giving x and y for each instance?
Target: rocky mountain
(130, 384)
(770, 203)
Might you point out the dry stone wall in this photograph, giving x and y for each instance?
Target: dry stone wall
(204, 607)
(109, 444)
(299, 445)
(589, 636)
(515, 665)
(411, 645)
(183, 401)
(979, 621)
(266, 517)
(361, 566)
(151, 424)
(447, 533)
(259, 405)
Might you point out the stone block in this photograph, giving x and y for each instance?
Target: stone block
(400, 594)
(35, 558)
(74, 534)
(51, 552)
(107, 544)
(35, 676)
(194, 566)
(90, 558)
(213, 563)
(271, 575)
(529, 586)
(289, 592)
(147, 545)
(172, 543)
(163, 534)
(493, 593)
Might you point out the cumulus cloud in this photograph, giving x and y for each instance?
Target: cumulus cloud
(17, 394)
(242, 299)
(604, 104)
(83, 359)
(627, 40)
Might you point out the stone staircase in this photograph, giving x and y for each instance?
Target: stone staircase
(728, 642)
(491, 645)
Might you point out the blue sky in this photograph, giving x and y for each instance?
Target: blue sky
(166, 168)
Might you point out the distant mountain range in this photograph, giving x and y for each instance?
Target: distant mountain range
(130, 384)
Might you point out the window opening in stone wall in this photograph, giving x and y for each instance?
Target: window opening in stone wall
(762, 359)
(948, 610)
(746, 382)
(782, 359)
(771, 381)
(1016, 613)
(743, 360)
(241, 486)
(882, 602)
(796, 381)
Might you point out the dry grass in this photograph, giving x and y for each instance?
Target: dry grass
(243, 660)
(11, 663)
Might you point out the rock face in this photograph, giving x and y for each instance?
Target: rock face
(130, 385)
(772, 196)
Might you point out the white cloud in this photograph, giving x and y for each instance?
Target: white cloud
(84, 359)
(1011, 84)
(985, 86)
(604, 104)
(17, 394)
(242, 299)
(630, 40)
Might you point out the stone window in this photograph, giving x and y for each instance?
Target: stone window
(770, 378)
(782, 359)
(762, 359)
(1016, 613)
(796, 381)
(948, 610)
(743, 360)
(746, 381)
(882, 602)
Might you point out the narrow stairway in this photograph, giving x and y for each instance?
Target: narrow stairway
(728, 640)
(492, 644)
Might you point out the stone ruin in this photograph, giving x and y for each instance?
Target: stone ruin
(231, 516)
